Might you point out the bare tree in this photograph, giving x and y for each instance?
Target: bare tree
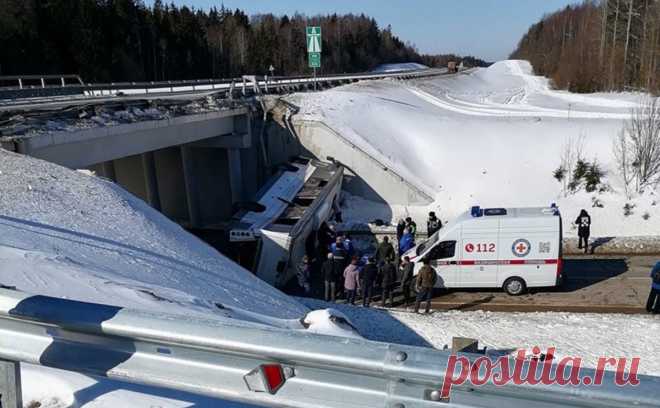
(637, 149)
(613, 50)
(623, 158)
(603, 31)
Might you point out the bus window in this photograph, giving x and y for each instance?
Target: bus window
(444, 250)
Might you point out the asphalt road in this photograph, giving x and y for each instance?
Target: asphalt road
(599, 284)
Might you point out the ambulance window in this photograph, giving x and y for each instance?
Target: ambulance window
(443, 250)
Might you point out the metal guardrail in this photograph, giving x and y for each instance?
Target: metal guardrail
(39, 81)
(256, 83)
(262, 83)
(262, 365)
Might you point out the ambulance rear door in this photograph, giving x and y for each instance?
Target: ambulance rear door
(531, 248)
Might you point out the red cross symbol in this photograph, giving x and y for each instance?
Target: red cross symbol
(521, 248)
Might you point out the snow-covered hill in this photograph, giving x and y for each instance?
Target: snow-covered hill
(491, 137)
(68, 234)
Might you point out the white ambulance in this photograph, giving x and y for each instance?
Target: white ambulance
(509, 248)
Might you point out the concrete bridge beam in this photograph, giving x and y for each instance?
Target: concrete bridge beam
(151, 180)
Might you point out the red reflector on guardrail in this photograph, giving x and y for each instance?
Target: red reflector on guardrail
(265, 378)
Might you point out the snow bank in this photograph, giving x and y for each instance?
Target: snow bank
(589, 336)
(67, 234)
(491, 137)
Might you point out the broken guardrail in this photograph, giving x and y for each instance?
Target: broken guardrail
(258, 365)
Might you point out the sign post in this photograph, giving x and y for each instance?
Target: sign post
(314, 49)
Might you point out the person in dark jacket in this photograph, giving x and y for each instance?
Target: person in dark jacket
(424, 284)
(388, 276)
(583, 221)
(329, 272)
(385, 252)
(653, 304)
(407, 269)
(433, 224)
(368, 277)
(412, 226)
(304, 275)
(340, 259)
(400, 227)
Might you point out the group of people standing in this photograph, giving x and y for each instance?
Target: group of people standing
(345, 273)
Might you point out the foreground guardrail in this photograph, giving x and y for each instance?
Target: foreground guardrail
(261, 365)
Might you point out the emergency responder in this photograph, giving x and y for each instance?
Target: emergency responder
(583, 221)
(433, 224)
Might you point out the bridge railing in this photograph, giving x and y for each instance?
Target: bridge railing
(72, 84)
(258, 365)
(39, 81)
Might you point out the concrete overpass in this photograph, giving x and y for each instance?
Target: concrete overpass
(193, 168)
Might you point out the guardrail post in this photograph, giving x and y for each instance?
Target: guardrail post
(10, 384)
(464, 345)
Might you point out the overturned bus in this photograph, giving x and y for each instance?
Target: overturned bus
(271, 236)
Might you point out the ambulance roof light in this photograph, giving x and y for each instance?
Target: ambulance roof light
(476, 211)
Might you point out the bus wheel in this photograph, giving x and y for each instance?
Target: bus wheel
(515, 286)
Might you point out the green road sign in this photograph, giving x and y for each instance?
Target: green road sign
(314, 59)
(314, 39)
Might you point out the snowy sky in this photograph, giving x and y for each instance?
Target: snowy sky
(489, 29)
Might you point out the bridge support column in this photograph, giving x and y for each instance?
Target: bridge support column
(235, 174)
(190, 182)
(151, 180)
(108, 169)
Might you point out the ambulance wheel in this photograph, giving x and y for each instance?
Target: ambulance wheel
(515, 286)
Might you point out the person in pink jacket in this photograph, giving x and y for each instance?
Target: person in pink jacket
(352, 280)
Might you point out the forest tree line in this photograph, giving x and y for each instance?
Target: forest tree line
(604, 45)
(124, 40)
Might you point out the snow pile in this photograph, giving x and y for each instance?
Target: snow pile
(330, 322)
(588, 336)
(67, 234)
(491, 137)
